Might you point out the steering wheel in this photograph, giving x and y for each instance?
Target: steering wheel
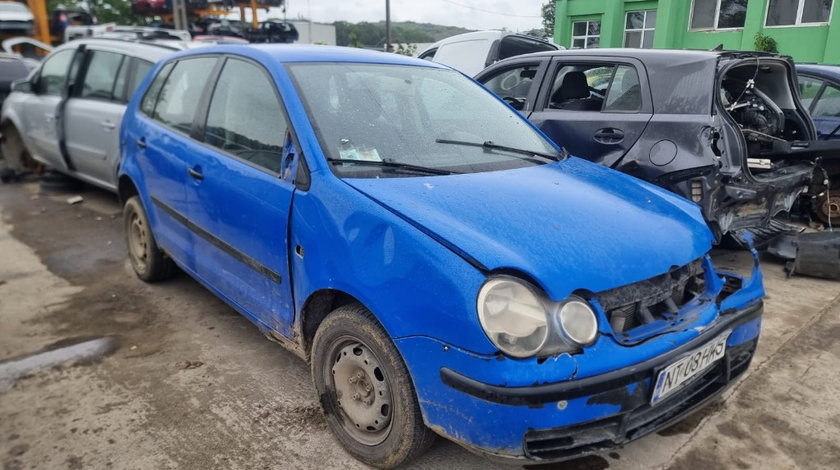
(516, 103)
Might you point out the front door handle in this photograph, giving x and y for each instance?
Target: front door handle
(195, 174)
(609, 135)
(108, 125)
(50, 117)
(141, 142)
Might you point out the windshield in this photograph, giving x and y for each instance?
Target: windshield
(410, 118)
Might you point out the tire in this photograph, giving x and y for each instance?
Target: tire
(14, 151)
(355, 361)
(149, 263)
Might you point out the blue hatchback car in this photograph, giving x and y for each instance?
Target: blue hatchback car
(442, 265)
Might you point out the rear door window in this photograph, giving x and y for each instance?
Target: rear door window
(101, 75)
(179, 97)
(596, 87)
(147, 106)
(809, 89)
(625, 93)
(247, 121)
(829, 103)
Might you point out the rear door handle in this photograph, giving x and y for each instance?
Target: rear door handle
(50, 117)
(108, 125)
(141, 142)
(609, 135)
(195, 174)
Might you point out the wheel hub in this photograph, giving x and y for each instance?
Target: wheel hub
(137, 239)
(362, 392)
(830, 207)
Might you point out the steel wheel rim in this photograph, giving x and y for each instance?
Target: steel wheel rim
(360, 394)
(138, 245)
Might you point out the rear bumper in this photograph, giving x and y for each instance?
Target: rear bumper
(742, 205)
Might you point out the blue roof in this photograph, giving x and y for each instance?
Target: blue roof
(310, 53)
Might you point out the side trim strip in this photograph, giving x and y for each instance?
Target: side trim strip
(219, 243)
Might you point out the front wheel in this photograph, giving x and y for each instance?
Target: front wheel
(149, 263)
(366, 391)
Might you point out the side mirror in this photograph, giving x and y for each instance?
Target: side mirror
(23, 86)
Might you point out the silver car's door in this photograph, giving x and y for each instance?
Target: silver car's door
(41, 110)
(93, 113)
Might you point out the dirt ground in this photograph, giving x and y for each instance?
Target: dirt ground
(192, 384)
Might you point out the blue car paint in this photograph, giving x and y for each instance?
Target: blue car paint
(415, 252)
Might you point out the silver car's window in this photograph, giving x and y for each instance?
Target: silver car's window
(246, 121)
(54, 71)
(179, 97)
(101, 75)
(412, 115)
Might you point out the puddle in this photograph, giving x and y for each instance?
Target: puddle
(85, 351)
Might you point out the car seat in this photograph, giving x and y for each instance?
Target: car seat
(574, 94)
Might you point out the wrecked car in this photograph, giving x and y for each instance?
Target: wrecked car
(443, 267)
(723, 129)
(819, 89)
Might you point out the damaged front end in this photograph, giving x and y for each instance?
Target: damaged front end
(572, 404)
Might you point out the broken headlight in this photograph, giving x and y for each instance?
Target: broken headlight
(522, 322)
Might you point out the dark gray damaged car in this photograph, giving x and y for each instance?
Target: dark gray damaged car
(724, 129)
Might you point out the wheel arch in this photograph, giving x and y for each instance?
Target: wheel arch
(316, 308)
(126, 188)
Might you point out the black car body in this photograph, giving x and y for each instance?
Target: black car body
(819, 89)
(724, 129)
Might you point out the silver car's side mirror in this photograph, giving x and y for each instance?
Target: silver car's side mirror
(23, 85)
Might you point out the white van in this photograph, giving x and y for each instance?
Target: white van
(472, 52)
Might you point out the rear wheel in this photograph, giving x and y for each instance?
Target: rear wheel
(149, 263)
(366, 391)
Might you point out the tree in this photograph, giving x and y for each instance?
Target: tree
(548, 10)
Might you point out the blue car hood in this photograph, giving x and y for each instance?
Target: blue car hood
(569, 225)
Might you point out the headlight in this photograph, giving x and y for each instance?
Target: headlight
(577, 322)
(522, 322)
(513, 316)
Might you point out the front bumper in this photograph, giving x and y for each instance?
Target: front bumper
(567, 419)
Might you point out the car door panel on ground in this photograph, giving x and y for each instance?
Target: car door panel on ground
(597, 109)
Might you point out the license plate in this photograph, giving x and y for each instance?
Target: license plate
(690, 366)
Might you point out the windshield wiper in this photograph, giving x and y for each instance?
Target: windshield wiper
(395, 165)
(490, 145)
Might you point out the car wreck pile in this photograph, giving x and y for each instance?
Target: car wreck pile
(427, 249)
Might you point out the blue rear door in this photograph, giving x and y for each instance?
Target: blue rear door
(163, 142)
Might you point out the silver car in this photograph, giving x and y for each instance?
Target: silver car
(67, 114)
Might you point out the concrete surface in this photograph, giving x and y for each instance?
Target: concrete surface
(192, 384)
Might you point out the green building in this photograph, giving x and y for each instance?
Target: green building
(802, 28)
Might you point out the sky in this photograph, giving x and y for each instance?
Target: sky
(520, 15)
